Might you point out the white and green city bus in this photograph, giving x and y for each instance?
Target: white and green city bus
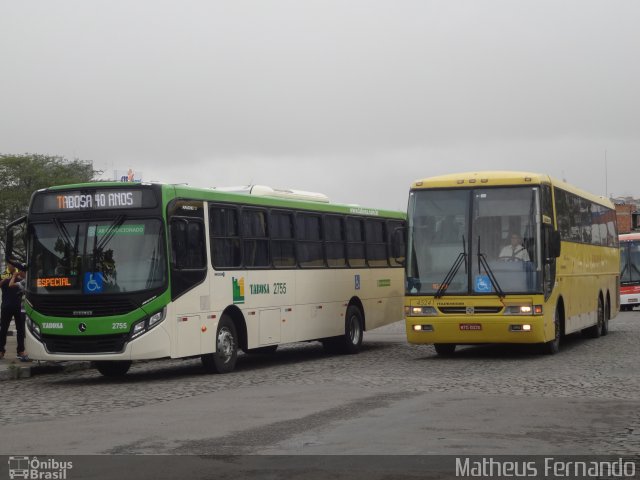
(118, 272)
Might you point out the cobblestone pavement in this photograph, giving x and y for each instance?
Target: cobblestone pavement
(602, 374)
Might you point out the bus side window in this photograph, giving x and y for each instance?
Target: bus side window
(376, 244)
(255, 238)
(225, 237)
(282, 239)
(309, 240)
(355, 242)
(334, 240)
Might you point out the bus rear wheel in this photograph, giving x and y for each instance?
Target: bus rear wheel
(353, 330)
(223, 360)
(351, 341)
(596, 330)
(605, 322)
(118, 368)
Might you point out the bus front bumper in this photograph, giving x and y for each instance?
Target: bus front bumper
(153, 344)
(476, 330)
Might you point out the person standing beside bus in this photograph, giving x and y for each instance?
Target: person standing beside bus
(11, 309)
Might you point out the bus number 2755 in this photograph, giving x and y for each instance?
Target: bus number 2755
(279, 288)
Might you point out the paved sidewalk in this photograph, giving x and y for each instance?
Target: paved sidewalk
(12, 369)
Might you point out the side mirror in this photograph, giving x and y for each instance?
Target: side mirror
(398, 242)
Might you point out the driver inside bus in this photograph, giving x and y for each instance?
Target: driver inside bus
(515, 251)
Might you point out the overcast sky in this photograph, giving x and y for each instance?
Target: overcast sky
(355, 99)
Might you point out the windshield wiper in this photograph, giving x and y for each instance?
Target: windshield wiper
(462, 258)
(106, 238)
(66, 237)
(154, 270)
(482, 263)
(69, 247)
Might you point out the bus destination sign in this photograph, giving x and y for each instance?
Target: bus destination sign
(91, 200)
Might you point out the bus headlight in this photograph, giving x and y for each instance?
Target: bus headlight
(33, 328)
(156, 318)
(423, 328)
(520, 328)
(420, 311)
(148, 323)
(523, 310)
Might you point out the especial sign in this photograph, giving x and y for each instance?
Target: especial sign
(103, 199)
(53, 282)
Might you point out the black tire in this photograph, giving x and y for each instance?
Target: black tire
(226, 354)
(596, 330)
(117, 368)
(445, 349)
(553, 346)
(353, 330)
(351, 341)
(605, 323)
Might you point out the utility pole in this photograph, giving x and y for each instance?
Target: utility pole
(606, 177)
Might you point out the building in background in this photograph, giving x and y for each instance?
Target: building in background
(627, 213)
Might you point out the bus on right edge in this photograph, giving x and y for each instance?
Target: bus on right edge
(508, 257)
(629, 270)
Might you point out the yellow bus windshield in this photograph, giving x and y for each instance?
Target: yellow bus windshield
(474, 241)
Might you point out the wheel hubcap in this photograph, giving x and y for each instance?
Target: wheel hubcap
(225, 344)
(355, 329)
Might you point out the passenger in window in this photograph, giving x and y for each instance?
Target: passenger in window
(515, 251)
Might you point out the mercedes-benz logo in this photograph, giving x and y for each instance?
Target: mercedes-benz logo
(82, 327)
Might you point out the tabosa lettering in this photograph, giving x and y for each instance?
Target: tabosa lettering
(96, 200)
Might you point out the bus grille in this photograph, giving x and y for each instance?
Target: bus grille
(476, 310)
(85, 344)
(82, 306)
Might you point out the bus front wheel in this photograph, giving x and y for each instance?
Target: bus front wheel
(118, 368)
(445, 349)
(552, 347)
(223, 360)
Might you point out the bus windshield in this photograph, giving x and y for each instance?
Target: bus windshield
(97, 257)
(630, 263)
(474, 241)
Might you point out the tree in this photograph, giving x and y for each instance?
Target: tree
(21, 175)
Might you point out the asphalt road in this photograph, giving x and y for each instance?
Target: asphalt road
(391, 399)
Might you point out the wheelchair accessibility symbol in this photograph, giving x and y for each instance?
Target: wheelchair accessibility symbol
(93, 282)
(483, 284)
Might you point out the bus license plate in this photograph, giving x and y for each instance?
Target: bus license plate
(470, 326)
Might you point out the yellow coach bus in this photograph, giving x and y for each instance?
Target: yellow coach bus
(508, 257)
